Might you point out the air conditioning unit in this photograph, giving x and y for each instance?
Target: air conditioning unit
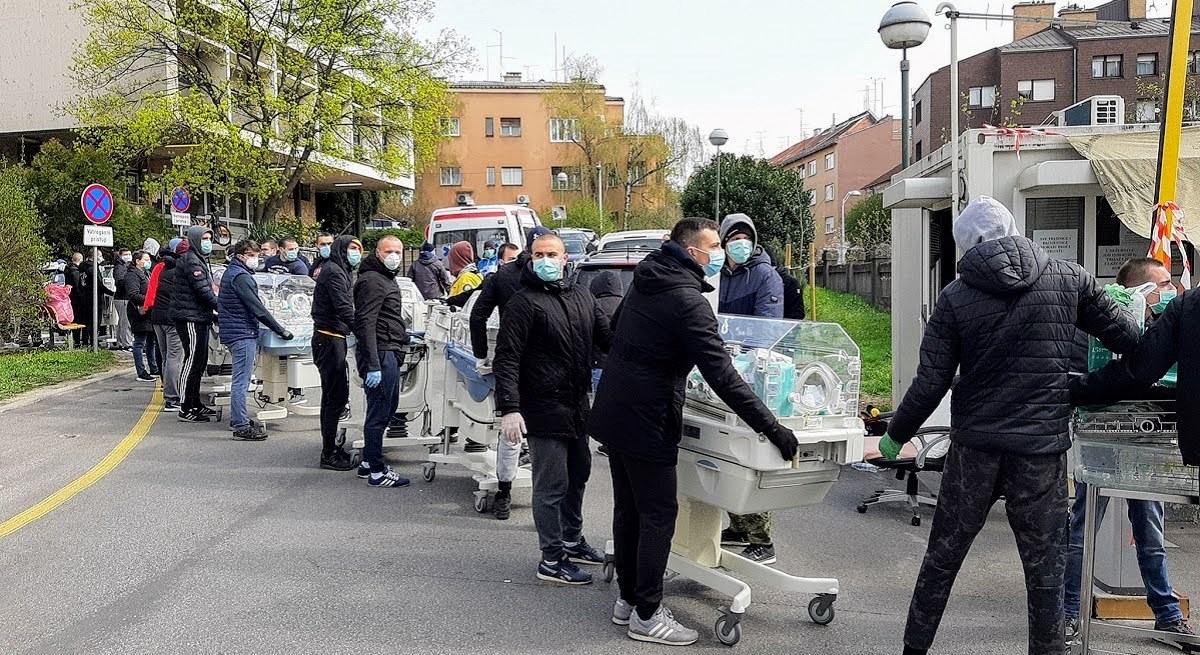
(523, 200)
(1096, 110)
(465, 200)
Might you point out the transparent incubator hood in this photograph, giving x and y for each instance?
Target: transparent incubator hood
(797, 368)
(289, 298)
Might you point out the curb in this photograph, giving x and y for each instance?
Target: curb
(43, 393)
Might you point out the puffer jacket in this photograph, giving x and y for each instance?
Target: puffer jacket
(606, 288)
(160, 312)
(1007, 326)
(192, 296)
(429, 276)
(752, 288)
(333, 298)
(136, 284)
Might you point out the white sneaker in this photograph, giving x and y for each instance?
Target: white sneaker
(662, 628)
(621, 612)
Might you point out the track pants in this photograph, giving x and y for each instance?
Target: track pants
(329, 355)
(170, 351)
(194, 337)
(644, 510)
(1035, 492)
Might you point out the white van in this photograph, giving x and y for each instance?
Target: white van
(478, 225)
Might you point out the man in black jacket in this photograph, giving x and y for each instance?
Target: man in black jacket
(333, 319)
(543, 375)
(1006, 326)
(379, 329)
(193, 305)
(76, 279)
(121, 268)
(495, 293)
(793, 291)
(664, 328)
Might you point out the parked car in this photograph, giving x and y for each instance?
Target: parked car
(634, 240)
(621, 261)
(384, 224)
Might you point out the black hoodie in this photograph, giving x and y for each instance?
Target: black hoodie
(333, 298)
(665, 327)
(1007, 327)
(378, 314)
(606, 287)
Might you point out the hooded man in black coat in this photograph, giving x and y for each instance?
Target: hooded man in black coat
(664, 328)
(543, 375)
(1006, 326)
(333, 319)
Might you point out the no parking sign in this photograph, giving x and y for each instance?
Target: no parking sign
(97, 203)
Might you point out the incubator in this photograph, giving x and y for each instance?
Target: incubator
(286, 365)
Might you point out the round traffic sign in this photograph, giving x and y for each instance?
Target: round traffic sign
(180, 200)
(97, 203)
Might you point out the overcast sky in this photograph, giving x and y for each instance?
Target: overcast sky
(765, 70)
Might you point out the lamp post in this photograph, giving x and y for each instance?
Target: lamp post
(842, 243)
(952, 13)
(718, 138)
(904, 26)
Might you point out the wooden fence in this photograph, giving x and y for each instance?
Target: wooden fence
(870, 280)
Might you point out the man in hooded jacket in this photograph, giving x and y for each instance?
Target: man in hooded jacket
(495, 293)
(1006, 326)
(158, 301)
(428, 274)
(193, 304)
(333, 319)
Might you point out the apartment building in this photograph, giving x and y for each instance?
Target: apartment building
(1051, 64)
(841, 159)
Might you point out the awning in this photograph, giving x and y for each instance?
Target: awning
(1126, 167)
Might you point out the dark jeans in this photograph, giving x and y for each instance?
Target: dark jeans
(381, 404)
(194, 337)
(560, 468)
(1146, 516)
(144, 343)
(329, 354)
(1035, 492)
(243, 352)
(644, 510)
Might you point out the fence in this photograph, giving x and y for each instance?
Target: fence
(870, 279)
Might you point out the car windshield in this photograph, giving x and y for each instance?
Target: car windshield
(574, 246)
(444, 239)
(633, 244)
(585, 276)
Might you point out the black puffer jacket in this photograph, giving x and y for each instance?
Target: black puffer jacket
(498, 288)
(192, 297)
(378, 314)
(333, 298)
(136, 283)
(606, 287)
(543, 362)
(160, 313)
(1007, 325)
(664, 328)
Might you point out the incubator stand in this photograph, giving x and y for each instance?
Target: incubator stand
(281, 365)
(808, 375)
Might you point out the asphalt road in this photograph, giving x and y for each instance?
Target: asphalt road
(199, 544)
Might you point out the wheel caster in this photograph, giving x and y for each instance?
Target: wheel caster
(820, 610)
(429, 472)
(916, 521)
(609, 571)
(356, 457)
(340, 439)
(481, 504)
(862, 509)
(728, 631)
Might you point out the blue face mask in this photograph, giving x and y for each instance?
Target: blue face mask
(1164, 298)
(549, 270)
(291, 255)
(716, 259)
(489, 253)
(324, 251)
(206, 247)
(354, 257)
(740, 250)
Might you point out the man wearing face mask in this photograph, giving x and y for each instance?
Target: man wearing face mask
(288, 260)
(241, 312)
(664, 328)
(489, 261)
(324, 250)
(121, 268)
(333, 319)
(137, 285)
(543, 376)
(192, 306)
(381, 335)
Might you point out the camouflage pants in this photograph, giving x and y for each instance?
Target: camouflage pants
(1035, 492)
(756, 527)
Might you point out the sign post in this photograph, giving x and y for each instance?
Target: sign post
(181, 200)
(97, 204)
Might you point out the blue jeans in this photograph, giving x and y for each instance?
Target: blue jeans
(243, 352)
(596, 373)
(1147, 519)
(144, 344)
(382, 401)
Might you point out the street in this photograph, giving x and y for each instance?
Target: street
(199, 544)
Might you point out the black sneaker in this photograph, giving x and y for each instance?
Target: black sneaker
(761, 553)
(563, 572)
(474, 447)
(501, 506)
(193, 416)
(1179, 627)
(170, 407)
(207, 411)
(251, 432)
(731, 537)
(146, 378)
(1070, 631)
(583, 553)
(338, 460)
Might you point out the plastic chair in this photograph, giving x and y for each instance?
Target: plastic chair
(926, 452)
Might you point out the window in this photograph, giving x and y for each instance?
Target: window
(1147, 64)
(451, 176)
(812, 167)
(1191, 109)
(812, 198)
(491, 176)
(917, 113)
(637, 172)
(564, 130)
(512, 176)
(574, 178)
(802, 169)
(1106, 66)
(829, 227)
(982, 96)
(451, 126)
(610, 176)
(1036, 90)
(510, 127)
(489, 127)
(917, 154)
(829, 192)
(1147, 111)
(829, 160)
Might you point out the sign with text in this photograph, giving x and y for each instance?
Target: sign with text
(97, 236)
(181, 220)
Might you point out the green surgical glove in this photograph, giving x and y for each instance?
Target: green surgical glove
(889, 448)
(1119, 294)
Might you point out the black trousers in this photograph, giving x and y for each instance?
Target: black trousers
(195, 361)
(644, 510)
(329, 354)
(1035, 492)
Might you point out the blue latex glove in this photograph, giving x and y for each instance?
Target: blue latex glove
(889, 448)
(373, 379)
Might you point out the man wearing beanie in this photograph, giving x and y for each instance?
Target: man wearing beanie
(1006, 328)
(428, 274)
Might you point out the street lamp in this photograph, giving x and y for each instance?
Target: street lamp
(842, 244)
(951, 12)
(562, 180)
(904, 26)
(718, 138)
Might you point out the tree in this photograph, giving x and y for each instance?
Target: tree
(581, 101)
(22, 251)
(655, 147)
(774, 197)
(868, 224)
(337, 210)
(302, 81)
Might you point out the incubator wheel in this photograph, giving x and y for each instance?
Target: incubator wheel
(341, 437)
(356, 457)
(916, 521)
(820, 610)
(481, 504)
(610, 570)
(862, 509)
(727, 633)
(429, 472)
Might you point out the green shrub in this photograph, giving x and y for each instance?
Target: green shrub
(22, 250)
(412, 237)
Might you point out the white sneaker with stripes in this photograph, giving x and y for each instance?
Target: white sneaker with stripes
(662, 628)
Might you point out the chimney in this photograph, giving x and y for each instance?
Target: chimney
(1137, 9)
(1024, 28)
(512, 77)
(1077, 17)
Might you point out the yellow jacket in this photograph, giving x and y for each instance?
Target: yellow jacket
(468, 279)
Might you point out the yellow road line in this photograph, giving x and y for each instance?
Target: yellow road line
(103, 468)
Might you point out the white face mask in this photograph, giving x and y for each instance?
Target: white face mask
(126, 258)
(392, 261)
(252, 263)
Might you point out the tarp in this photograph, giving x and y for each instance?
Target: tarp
(1126, 166)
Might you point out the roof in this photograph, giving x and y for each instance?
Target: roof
(493, 85)
(1063, 38)
(1047, 39)
(820, 141)
(882, 179)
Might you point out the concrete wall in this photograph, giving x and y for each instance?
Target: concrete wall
(35, 55)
